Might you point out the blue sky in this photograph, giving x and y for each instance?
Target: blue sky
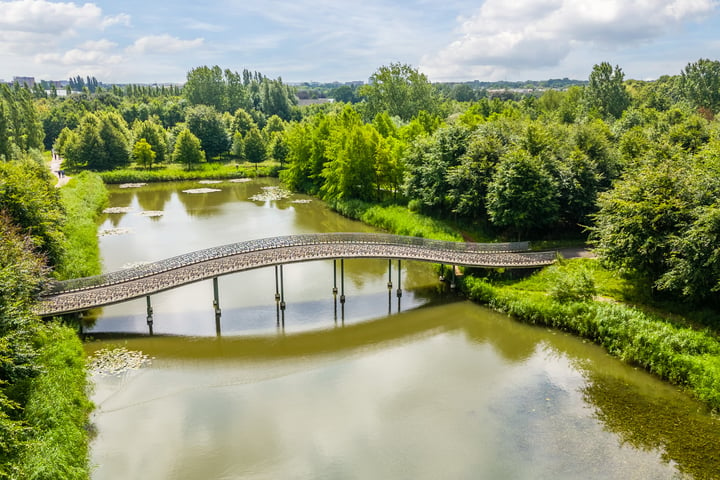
(325, 40)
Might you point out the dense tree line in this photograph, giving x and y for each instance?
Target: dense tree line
(636, 163)
(21, 129)
(523, 166)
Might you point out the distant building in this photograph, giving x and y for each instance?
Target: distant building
(29, 81)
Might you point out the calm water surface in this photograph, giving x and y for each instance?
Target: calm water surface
(443, 389)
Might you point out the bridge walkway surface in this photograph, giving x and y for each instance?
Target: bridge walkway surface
(90, 292)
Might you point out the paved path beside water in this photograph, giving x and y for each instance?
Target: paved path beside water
(55, 167)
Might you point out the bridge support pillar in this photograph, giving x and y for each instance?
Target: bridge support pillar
(282, 290)
(399, 289)
(335, 289)
(442, 272)
(277, 294)
(452, 282)
(342, 281)
(149, 310)
(216, 297)
(389, 285)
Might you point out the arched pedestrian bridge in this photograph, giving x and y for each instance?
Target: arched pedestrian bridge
(90, 292)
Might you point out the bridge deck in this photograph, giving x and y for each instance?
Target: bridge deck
(90, 292)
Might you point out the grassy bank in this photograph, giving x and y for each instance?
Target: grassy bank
(57, 409)
(176, 172)
(83, 199)
(562, 297)
(397, 219)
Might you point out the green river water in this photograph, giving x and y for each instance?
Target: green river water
(440, 388)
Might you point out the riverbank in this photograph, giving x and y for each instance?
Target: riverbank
(581, 297)
(573, 297)
(177, 172)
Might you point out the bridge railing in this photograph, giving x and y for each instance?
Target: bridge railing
(272, 243)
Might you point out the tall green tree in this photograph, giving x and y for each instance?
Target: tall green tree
(522, 195)
(700, 83)
(351, 172)
(143, 153)
(205, 86)
(116, 138)
(605, 91)
(207, 125)
(187, 149)
(255, 149)
(401, 90)
(242, 121)
(155, 135)
(639, 216)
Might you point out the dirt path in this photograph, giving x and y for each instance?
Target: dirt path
(55, 168)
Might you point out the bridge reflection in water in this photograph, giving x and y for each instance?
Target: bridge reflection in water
(82, 294)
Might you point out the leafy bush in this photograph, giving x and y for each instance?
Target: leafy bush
(572, 286)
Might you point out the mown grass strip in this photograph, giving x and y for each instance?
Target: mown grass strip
(175, 172)
(83, 199)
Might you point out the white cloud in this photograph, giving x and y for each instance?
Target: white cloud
(162, 44)
(78, 57)
(515, 36)
(54, 18)
(120, 19)
(41, 16)
(103, 45)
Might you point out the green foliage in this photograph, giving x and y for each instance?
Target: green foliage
(100, 142)
(227, 91)
(28, 197)
(43, 398)
(187, 149)
(429, 159)
(242, 122)
(396, 219)
(350, 170)
(155, 135)
(58, 409)
(522, 195)
(254, 146)
(21, 129)
(20, 275)
(642, 226)
(605, 92)
(400, 90)
(83, 200)
(207, 125)
(700, 83)
(143, 153)
(571, 285)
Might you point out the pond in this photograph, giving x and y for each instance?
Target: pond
(438, 388)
